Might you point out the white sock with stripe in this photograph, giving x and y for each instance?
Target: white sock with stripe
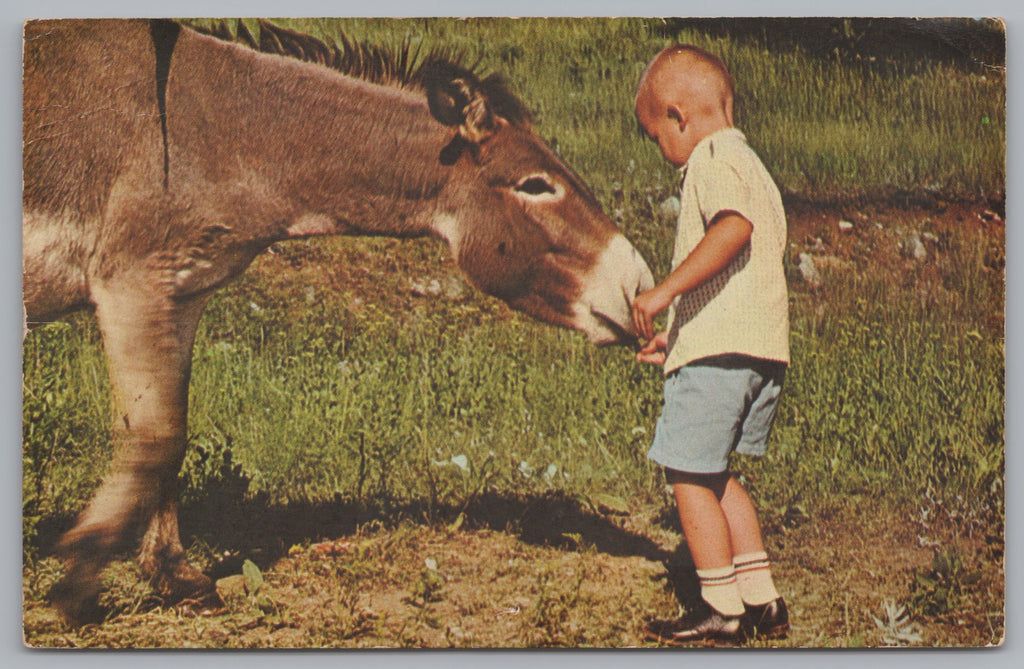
(719, 588)
(754, 575)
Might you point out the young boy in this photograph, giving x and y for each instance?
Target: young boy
(727, 345)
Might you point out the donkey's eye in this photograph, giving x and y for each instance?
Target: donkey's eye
(535, 185)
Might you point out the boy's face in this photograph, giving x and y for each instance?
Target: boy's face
(670, 126)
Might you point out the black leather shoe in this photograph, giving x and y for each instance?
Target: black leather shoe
(767, 621)
(701, 624)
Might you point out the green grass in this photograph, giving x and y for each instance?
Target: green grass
(889, 396)
(65, 418)
(488, 395)
(362, 394)
(892, 399)
(826, 128)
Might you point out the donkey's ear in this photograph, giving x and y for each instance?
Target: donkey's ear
(456, 98)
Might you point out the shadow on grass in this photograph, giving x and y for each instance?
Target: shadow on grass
(242, 527)
(231, 528)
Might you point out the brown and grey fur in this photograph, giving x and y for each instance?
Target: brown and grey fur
(158, 162)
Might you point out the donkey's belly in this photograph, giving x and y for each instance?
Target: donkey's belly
(54, 257)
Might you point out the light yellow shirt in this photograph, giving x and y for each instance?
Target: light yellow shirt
(745, 308)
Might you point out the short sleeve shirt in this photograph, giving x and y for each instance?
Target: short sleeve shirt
(743, 309)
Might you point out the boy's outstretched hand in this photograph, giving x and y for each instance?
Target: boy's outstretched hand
(654, 350)
(646, 306)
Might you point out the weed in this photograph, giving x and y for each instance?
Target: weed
(428, 587)
(256, 588)
(209, 471)
(943, 588)
(552, 616)
(350, 620)
(896, 627)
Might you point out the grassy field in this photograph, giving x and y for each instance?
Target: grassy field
(365, 374)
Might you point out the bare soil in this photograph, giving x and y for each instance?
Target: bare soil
(557, 574)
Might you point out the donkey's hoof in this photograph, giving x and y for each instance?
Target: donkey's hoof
(180, 580)
(77, 604)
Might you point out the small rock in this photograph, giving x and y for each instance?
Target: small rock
(845, 226)
(454, 288)
(817, 246)
(231, 588)
(456, 633)
(430, 288)
(833, 263)
(668, 210)
(914, 248)
(929, 237)
(808, 271)
(919, 252)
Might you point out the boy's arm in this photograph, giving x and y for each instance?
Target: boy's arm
(728, 233)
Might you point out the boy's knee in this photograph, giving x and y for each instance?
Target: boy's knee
(715, 482)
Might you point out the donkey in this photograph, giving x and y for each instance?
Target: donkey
(159, 161)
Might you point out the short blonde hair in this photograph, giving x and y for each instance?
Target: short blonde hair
(697, 55)
(670, 76)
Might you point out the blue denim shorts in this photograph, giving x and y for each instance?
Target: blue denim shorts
(714, 407)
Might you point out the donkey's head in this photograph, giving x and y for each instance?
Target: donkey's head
(520, 222)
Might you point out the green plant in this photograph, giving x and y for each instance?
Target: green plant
(896, 627)
(428, 587)
(256, 588)
(210, 472)
(551, 620)
(945, 586)
(65, 436)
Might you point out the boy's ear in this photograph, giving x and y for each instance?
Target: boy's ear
(676, 114)
(727, 109)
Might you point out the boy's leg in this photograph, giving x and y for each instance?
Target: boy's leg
(750, 559)
(739, 511)
(704, 522)
(708, 537)
(766, 614)
(708, 412)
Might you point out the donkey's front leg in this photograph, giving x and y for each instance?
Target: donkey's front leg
(148, 339)
(162, 557)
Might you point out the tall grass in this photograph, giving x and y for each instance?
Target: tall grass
(355, 392)
(891, 395)
(891, 398)
(65, 420)
(825, 128)
(451, 408)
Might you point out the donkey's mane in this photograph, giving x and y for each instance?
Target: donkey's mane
(404, 68)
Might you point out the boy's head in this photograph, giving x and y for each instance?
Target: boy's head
(685, 94)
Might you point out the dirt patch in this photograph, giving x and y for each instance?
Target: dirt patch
(462, 585)
(879, 237)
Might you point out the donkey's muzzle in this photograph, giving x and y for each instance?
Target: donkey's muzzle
(619, 275)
